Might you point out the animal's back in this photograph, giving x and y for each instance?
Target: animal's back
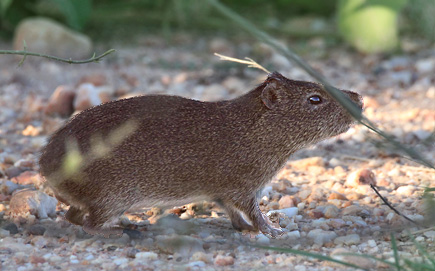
(149, 146)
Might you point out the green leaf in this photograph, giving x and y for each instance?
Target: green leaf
(76, 12)
(4, 5)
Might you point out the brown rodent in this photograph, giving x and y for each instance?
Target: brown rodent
(168, 150)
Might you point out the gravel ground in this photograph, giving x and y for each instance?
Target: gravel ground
(321, 197)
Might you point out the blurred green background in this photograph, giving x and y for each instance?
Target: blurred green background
(364, 24)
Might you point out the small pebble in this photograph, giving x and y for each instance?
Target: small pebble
(120, 261)
(197, 264)
(430, 234)
(351, 239)
(37, 229)
(146, 256)
(321, 237)
(224, 260)
(12, 228)
(331, 211)
(286, 202)
(133, 234)
(360, 177)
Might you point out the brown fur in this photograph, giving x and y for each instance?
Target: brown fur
(181, 149)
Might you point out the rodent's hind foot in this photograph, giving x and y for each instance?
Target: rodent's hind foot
(75, 215)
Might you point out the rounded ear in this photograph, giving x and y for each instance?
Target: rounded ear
(269, 95)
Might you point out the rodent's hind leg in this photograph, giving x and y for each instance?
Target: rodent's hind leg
(99, 222)
(237, 220)
(259, 220)
(75, 215)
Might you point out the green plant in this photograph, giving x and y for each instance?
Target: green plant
(75, 13)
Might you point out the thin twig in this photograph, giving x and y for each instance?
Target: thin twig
(69, 61)
(423, 230)
(391, 207)
(24, 58)
(355, 158)
(251, 63)
(419, 169)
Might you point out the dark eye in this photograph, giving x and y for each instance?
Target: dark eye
(315, 99)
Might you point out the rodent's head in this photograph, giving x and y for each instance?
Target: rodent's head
(307, 110)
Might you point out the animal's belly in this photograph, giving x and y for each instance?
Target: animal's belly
(163, 203)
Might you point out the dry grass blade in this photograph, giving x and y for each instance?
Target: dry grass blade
(251, 63)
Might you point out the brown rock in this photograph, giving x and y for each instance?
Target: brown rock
(304, 164)
(352, 210)
(286, 202)
(361, 177)
(36, 259)
(94, 79)
(13, 171)
(331, 211)
(224, 260)
(315, 213)
(32, 202)
(61, 101)
(304, 194)
(46, 36)
(335, 195)
(354, 196)
(28, 177)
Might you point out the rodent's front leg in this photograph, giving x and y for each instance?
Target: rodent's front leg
(250, 207)
(237, 220)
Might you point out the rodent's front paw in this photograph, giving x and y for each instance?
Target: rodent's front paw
(271, 230)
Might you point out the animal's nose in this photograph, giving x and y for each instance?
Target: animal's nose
(356, 98)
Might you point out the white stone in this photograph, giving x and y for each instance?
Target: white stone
(266, 191)
(4, 233)
(120, 261)
(351, 239)
(293, 235)
(321, 237)
(197, 263)
(289, 212)
(150, 256)
(89, 95)
(46, 36)
(419, 239)
(7, 187)
(300, 268)
(430, 234)
(406, 190)
(426, 65)
(390, 216)
(89, 257)
(371, 243)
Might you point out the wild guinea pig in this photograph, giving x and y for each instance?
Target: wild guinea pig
(161, 150)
